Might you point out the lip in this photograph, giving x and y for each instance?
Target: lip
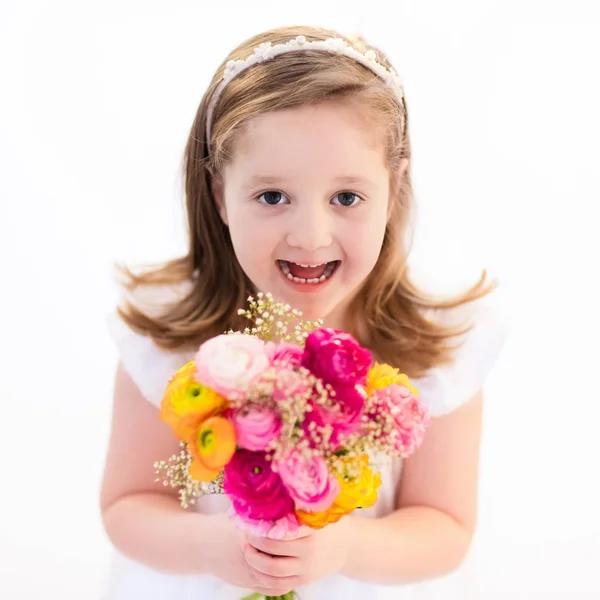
(310, 262)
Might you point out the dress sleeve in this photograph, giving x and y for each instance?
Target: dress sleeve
(445, 388)
(149, 366)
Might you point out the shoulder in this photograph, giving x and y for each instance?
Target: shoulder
(446, 387)
(149, 366)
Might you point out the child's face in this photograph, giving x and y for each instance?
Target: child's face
(308, 186)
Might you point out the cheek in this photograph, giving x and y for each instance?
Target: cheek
(253, 240)
(364, 240)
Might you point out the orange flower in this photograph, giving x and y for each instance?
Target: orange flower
(186, 403)
(212, 447)
(358, 491)
(381, 376)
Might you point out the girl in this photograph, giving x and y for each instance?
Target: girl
(297, 174)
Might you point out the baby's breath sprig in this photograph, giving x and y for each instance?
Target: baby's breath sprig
(175, 473)
(276, 320)
(346, 467)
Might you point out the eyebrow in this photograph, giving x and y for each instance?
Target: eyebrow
(259, 180)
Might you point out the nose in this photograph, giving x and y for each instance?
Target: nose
(310, 228)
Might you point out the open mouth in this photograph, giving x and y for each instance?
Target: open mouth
(309, 274)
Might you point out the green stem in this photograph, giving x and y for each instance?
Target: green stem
(256, 596)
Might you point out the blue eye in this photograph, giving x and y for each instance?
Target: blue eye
(348, 199)
(273, 198)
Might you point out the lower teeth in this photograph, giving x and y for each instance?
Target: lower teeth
(327, 273)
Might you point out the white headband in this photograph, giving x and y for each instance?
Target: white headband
(267, 51)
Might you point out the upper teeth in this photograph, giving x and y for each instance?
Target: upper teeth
(311, 266)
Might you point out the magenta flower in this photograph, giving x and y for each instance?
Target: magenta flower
(256, 492)
(344, 417)
(308, 480)
(284, 354)
(336, 357)
(401, 417)
(256, 426)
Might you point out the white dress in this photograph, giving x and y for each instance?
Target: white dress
(442, 389)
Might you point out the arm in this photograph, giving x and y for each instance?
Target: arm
(143, 519)
(430, 533)
(426, 537)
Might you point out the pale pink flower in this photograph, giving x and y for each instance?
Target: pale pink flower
(228, 363)
(402, 417)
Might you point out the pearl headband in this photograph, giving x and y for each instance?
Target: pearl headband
(267, 51)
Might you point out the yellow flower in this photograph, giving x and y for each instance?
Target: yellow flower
(186, 403)
(320, 519)
(358, 490)
(381, 376)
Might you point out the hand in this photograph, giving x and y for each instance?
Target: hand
(285, 565)
(225, 559)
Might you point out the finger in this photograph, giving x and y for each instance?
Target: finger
(306, 531)
(276, 547)
(302, 532)
(273, 566)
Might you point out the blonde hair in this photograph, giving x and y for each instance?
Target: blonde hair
(387, 313)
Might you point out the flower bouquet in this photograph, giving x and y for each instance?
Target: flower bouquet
(286, 421)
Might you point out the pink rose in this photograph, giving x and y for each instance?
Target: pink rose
(344, 417)
(256, 492)
(284, 354)
(308, 481)
(256, 426)
(336, 357)
(228, 363)
(400, 417)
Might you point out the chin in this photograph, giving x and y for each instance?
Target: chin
(313, 303)
(328, 312)
(311, 310)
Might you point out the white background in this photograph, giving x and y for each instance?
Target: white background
(96, 101)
